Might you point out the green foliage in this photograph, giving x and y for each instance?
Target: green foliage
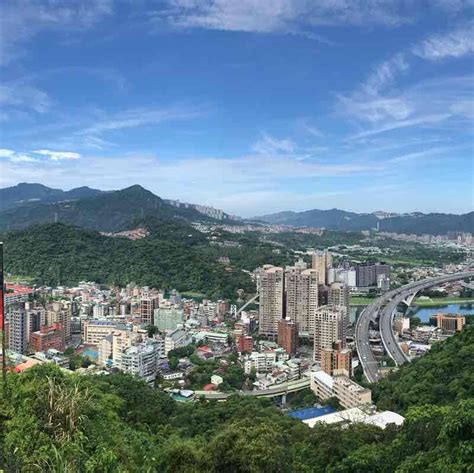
(58, 253)
(53, 421)
(444, 375)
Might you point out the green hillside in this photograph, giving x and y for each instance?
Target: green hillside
(174, 255)
(108, 212)
(52, 421)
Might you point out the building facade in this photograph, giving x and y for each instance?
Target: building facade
(270, 286)
(330, 327)
(288, 335)
(301, 297)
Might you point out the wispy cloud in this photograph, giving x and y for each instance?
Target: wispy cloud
(21, 21)
(133, 118)
(19, 96)
(57, 155)
(420, 121)
(279, 16)
(454, 44)
(269, 145)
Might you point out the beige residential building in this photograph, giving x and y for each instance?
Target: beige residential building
(93, 331)
(301, 288)
(60, 312)
(322, 261)
(270, 283)
(348, 392)
(330, 327)
(338, 295)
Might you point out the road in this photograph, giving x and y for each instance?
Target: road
(278, 390)
(383, 309)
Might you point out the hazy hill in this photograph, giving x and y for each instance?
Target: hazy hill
(335, 219)
(26, 193)
(104, 211)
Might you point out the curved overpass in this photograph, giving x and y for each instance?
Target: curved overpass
(388, 303)
(279, 390)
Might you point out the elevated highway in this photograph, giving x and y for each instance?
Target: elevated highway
(383, 310)
(279, 390)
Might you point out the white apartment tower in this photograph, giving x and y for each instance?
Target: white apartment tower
(270, 286)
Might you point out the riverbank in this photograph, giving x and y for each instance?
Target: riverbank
(442, 301)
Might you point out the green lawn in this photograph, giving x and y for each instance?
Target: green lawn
(442, 301)
(359, 300)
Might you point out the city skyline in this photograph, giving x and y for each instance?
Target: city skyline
(294, 107)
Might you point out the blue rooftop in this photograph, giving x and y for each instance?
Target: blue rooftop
(311, 412)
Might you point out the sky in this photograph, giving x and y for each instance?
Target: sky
(251, 106)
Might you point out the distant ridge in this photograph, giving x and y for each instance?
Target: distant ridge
(103, 211)
(26, 193)
(415, 223)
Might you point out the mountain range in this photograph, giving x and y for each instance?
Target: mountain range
(340, 220)
(110, 211)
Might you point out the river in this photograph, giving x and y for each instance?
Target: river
(424, 313)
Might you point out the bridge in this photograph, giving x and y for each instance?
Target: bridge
(279, 390)
(250, 301)
(384, 309)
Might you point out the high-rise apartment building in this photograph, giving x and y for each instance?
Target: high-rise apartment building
(36, 319)
(301, 297)
(288, 336)
(322, 261)
(147, 305)
(330, 327)
(270, 286)
(18, 331)
(338, 295)
(336, 360)
(368, 274)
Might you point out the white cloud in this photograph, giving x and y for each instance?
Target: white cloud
(385, 73)
(58, 155)
(21, 96)
(268, 145)
(420, 121)
(22, 158)
(279, 16)
(6, 153)
(21, 21)
(454, 44)
(133, 118)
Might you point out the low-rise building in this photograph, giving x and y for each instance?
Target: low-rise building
(448, 323)
(348, 392)
(176, 339)
(47, 338)
(141, 360)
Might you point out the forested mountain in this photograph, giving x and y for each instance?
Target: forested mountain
(106, 211)
(335, 219)
(25, 193)
(174, 255)
(54, 421)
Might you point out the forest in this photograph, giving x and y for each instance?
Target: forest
(56, 421)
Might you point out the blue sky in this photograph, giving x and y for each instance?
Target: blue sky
(251, 106)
